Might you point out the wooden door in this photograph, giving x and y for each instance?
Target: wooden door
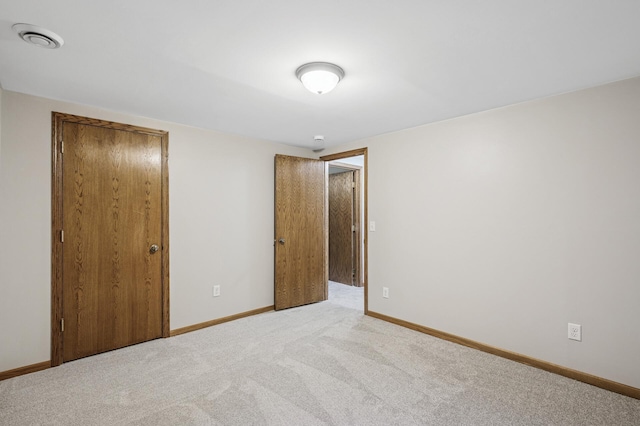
(112, 242)
(300, 224)
(342, 260)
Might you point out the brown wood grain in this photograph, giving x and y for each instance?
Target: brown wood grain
(341, 222)
(523, 359)
(345, 154)
(4, 375)
(70, 118)
(200, 326)
(112, 292)
(56, 244)
(111, 199)
(300, 261)
(166, 324)
(357, 235)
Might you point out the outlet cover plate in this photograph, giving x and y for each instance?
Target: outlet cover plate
(216, 290)
(575, 332)
(385, 292)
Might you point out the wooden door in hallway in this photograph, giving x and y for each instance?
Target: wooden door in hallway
(300, 230)
(113, 255)
(342, 243)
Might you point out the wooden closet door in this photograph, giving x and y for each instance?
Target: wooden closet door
(112, 222)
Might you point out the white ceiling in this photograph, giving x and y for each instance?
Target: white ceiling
(229, 65)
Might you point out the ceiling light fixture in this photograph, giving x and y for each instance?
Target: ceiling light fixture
(320, 77)
(37, 36)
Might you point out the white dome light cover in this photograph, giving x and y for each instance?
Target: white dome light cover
(320, 77)
(37, 36)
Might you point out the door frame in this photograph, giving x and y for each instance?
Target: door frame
(57, 121)
(365, 193)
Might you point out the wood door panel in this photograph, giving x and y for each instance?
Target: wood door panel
(112, 285)
(299, 220)
(341, 221)
(357, 235)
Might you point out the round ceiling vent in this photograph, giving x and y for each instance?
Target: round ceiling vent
(318, 144)
(37, 36)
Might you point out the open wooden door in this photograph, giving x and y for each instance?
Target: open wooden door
(300, 226)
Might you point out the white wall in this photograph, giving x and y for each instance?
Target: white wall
(1, 92)
(221, 222)
(504, 226)
(500, 226)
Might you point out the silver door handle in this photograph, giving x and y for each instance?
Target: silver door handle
(154, 248)
(281, 240)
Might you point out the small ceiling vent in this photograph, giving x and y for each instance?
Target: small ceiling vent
(318, 143)
(37, 36)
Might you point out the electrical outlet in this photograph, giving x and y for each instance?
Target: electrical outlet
(575, 332)
(385, 292)
(216, 290)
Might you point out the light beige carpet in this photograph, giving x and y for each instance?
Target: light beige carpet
(322, 364)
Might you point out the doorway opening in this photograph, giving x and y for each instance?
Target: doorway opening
(346, 189)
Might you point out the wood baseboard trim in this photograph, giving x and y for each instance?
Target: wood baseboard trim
(206, 324)
(47, 364)
(24, 370)
(606, 384)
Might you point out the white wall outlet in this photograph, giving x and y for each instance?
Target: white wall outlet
(575, 332)
(372, 226)
(385, 292)
(216, 290)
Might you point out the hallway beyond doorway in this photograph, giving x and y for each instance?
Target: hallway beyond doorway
(346, 295)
